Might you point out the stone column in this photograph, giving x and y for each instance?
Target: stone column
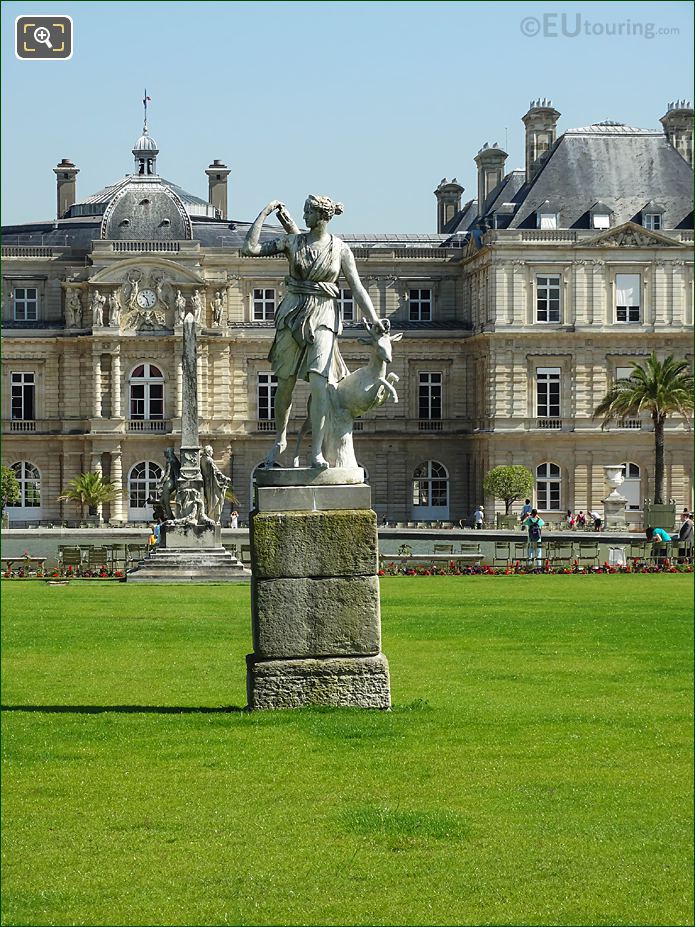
(116, 385)
(96, 411)
(315, 593)
(117, 478)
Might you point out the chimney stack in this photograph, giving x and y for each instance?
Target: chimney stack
(678, 127)
(448, 195)
(217, 186)
(66, 172)
(541, 132)
(490, 162)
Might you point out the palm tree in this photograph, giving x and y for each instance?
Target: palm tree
(661, 388)
(92, 490)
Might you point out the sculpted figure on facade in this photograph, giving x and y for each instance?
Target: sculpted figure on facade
(180, 306)
(217, 306)
(197, 306)
(114, 309)
(162, 288)
(73, 308)
(133, 278)
(98, 303)
(215, 485)
(308, 320)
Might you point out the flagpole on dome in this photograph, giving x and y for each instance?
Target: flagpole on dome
(145, 100)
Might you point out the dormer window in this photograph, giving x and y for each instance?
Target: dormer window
(653, 216)
(601, 216)
(547, 219)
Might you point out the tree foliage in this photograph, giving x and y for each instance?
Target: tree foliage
(509, 483)
(10, 488)
(661, 388)
(90, 489)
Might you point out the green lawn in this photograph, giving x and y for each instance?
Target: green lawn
(536, 767)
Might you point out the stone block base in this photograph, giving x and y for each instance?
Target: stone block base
(309, 617)
(345, 682)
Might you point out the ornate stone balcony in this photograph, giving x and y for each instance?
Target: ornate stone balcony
(148, 425)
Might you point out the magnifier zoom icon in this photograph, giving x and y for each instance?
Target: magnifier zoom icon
(43, 36)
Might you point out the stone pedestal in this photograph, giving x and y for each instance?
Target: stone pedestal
(190, 554)
(315, 593)
(614, 513)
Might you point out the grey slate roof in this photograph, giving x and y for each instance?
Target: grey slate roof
(620, 166)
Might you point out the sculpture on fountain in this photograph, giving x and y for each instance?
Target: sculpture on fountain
(308, 320)
(215, 485)
(190, 546)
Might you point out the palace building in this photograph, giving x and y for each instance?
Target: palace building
(518, 314)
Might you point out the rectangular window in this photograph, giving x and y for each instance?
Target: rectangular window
(263, 304)
(430, 396)
(137, 400)
(601, 221)
(548, 496)
(346, 305)
(627, 297)
(652, 220)
(156, 400)
(26, 303)
(548, 392)
(23, 388)
(548, 299)
(267, 387)
(420, 305)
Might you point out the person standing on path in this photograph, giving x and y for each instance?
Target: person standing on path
(534, 524)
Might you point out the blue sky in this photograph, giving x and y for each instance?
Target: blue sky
(371, 103)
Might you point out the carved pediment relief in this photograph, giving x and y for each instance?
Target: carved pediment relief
(145, 292)
(629, 235)
(119, 271)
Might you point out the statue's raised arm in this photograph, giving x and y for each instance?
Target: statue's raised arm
(252, 245)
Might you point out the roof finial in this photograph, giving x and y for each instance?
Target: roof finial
(144, 103)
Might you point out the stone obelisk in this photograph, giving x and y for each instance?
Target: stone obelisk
(190, 548)
(189, 490)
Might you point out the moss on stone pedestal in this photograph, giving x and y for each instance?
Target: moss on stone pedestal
(299, 544)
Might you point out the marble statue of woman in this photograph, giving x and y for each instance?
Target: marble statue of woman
(308, 320)
(215, 484)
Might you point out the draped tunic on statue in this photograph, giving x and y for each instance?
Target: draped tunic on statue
(308, 320)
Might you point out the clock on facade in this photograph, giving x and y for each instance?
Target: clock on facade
(146, 299)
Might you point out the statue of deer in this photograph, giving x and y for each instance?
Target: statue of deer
(360, 391)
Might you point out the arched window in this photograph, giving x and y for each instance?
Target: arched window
(146, 393)
(430, 491)
(632, 487)
(29, 506)
(548, 483)
(142, 481)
